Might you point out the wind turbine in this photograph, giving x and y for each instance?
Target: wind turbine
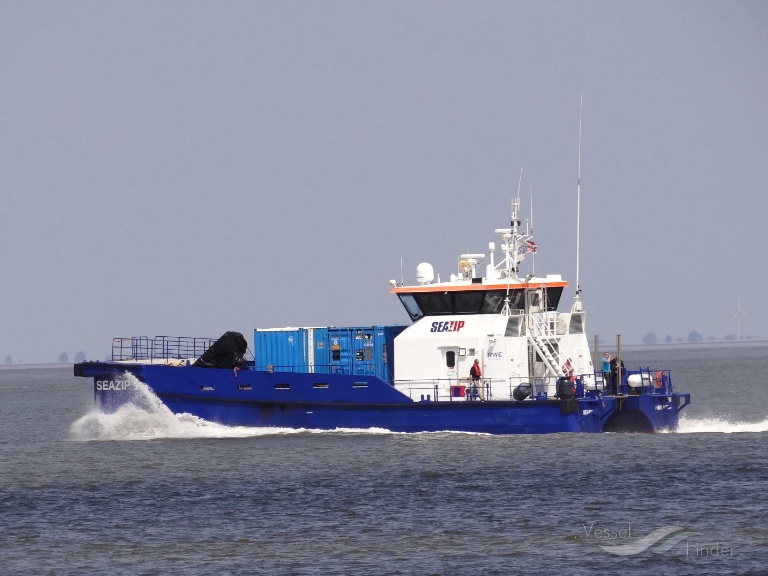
(738, 316)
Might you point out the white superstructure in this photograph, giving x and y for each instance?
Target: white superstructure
(510, 324)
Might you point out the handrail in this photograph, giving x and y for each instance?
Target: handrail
(435, 385)
(159, 348)
(134, 348)
(590, 385)
(543, 337)
(545, 323)
(166, 347)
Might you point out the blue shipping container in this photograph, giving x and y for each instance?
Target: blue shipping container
(281, 349)
(361, 350)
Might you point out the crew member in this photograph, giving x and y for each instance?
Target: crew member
(606, 370)
(475, 373)
(617, 375)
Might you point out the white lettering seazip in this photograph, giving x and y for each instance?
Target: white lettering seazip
(106, 385)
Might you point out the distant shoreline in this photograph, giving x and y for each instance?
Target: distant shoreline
(36, 365)
(705, 344)
(603, 347)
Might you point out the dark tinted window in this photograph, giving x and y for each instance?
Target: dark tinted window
(552, 296)
(435, 303)
(464, 302)
(494, 301)
(409, 302)
(467, 302)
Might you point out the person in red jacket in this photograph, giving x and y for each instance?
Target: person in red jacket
(475, 373)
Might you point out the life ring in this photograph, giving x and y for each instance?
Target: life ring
(659, 378)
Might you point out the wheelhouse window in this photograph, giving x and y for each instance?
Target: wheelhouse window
(456, 302)
(435, 303)
(494, 301)
(411, 306)
(552, 298)
(467, 302)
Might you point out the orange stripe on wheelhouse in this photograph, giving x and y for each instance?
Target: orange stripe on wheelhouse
(475, 287)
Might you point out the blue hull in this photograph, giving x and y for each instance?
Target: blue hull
(481, 417)
(330, 401)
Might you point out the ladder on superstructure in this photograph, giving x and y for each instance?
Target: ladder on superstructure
(545, 342)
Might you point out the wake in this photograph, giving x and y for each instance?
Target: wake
(718, 425)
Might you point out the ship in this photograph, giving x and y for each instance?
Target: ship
(486, 351)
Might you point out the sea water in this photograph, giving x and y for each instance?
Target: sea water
(143, 491)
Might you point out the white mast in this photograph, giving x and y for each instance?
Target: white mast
(516, 241)
(577, 303)
(533, 256)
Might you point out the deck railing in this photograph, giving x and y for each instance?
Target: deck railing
(167, 347)
(456, 390)
(584, 386)
(159, 348)
(134, 348)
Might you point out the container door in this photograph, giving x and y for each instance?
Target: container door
(322, 351)
(363, 344)
(340, 351)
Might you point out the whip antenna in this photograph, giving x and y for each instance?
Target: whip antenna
(577, 303)
(533, 255)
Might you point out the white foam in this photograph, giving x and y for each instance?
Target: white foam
(718, 425)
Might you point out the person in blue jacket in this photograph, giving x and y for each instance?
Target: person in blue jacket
(606, 369)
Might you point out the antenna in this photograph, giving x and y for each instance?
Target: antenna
(533, 255)
(577, 303)
(531, 209)
(738, 316)
(402, 280)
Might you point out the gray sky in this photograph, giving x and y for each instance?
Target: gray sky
(187, 168)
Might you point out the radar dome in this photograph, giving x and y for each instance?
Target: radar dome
(425, 274)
